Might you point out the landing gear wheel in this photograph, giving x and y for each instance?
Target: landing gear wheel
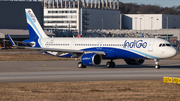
(157, 66)
(80, 65)
(113, 64)
(110, 64)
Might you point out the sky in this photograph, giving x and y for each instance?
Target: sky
(162, 3)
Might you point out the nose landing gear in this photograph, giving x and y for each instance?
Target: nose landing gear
(157, 66)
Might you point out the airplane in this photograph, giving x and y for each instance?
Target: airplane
(92, 51)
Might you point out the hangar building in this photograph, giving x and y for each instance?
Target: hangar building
(13, 19)
(150, 21)
(81, 15)
(13, 14)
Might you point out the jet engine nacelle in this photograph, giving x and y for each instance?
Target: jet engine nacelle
(134, 61)
(91, 59)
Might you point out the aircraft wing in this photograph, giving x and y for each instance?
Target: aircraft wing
(66, 50)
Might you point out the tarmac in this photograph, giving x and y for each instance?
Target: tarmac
(56, 71)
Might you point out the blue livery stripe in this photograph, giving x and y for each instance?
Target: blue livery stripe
(150, 56)
(122, 53)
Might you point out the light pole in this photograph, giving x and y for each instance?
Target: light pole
(151, 24)
(4, 43)
(136, 24)
(102, 24)
(69, 28)
(167, 26)
(140, 25)
(56, 28)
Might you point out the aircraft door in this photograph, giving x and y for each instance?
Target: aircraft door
(73, 44)
(150, 46)
(99, 45)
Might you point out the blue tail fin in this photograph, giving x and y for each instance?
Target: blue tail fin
(35, 29)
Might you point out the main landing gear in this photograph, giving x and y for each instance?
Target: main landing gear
(110, 64)
(157, 66)
(81, 65)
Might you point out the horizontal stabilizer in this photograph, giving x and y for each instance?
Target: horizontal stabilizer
(12, 42)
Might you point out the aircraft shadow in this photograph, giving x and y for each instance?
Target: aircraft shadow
(136, 66)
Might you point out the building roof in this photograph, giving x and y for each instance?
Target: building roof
(19, 32)
(2, 35)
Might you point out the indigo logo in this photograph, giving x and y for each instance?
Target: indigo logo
(135, 44)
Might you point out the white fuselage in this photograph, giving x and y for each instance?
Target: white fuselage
(148, 48)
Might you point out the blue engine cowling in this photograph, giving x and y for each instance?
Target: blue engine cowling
(91, 59)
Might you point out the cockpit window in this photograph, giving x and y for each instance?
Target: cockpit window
(164, 44)
(168, 44)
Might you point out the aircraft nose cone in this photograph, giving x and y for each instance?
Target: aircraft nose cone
(172, 52)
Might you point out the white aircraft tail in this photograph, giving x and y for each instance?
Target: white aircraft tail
(35, 29)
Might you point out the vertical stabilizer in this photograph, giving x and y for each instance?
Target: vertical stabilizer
(35, 29)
